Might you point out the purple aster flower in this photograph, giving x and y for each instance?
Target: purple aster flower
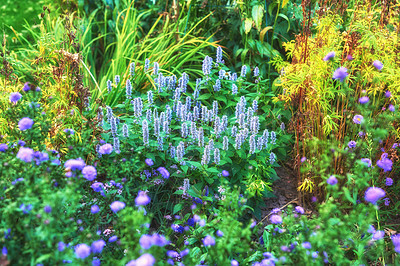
(387, 201)
(172, 254)
(361, 134)
(164, 172)
(145, 260)
(97, 187)
(363, 100)
(159, 240)
(225, 173)
(142, 199)
(98, 245)
(275, 219)
(220, 233)
(332, 180)
(113, 239)
(378, 65)
(25, 154)
(82, 251)
(352, 144)
(96, 262)
(358, 119)
(74, 164)
(25, 123)
(209, 241)
(149, 162)
(303, 159)
(340, 73)
(396, 240)
(146, 241)
(47, 209)
(373, 194)
(366, 161)
(177, 228)
(329, 56)
(15, 97)
(116, 206)
(275, 210)
(299, 210)
(388, 94)
(89, 172)
(61, 246)
(184, 252)
(69, 131)
(306, 245)
(378, 235)
(234, 263)
(105, 149)
(389, 181)
(94, 209)
(391, 108)
(350, 57)
(3, 147)
(27, 86)
(385, 164)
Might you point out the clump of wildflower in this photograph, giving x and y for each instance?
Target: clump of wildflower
(3, 147)
(378, 65)
(142, 199)
(105, 149)
(15, 97)
(25, 123)
(116, 206)
(209, 241)
(373, 194)
(82, 251)
(363, 100)
(385, 163)
(74, 164)
(89, 172)
(340, 73)
(275, 219)
(396, 242)
(25, 154)
(391, 108)
(366, 161)
(164, 172)
(388, 94)
(299, 209)
(149, 162)
(144, 260)
(358, 119)
(332, 180)
(97, 246)
(94, 209)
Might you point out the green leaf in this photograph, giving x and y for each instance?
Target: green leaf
(177, 208)
(263, 32)
(257, 13)
(247, 24)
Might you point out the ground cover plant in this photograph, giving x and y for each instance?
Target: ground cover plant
(168, 152)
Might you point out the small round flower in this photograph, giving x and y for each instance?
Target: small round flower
(3, 147)
(15, 97)
(113, 239)
(234, 263)
(332, 180)
(98, 245)
(350, 57)
(388, 94)
(363, 100)
(209, 241)
(352, 144)
(146, 241)
(25, 123)
(164, 172)
(145, 260)
(116, 206)
(275, 219)
(391, 108)
(387, 201)
(220, 233)
(378, 235)
(396, 241)
(299, 210)
(61, 246)
(306, 245)
(367, 161)
(225, 173)
(303, 159)
(378, 65)
(373, 194)
(25, 154)
(149, 162)
(340, 73)
(358, 119)
(82, 251)
(94, 209)
(74, 164)
(27, 86)
(385, 163)
(389, 181)
(69, 131)
(329, 56)
(47, 209)
(142, 199)
(89, 172)
(97, 186)
(177, 228)
(105, 149)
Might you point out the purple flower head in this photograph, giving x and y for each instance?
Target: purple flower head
(299, 210)
(47, 209)
(164, 172)
(332, 180)
(96, 262)
(3, 147)
(306, 245)
(89, 172)
(184, 252)
(387, 201)
(82, 251)
(94, 209)
(352, 144)
(373, 194)
(378, 235)
(27, 86)
(275, 219)
(361, 134)
(220, 233)
(15, 97)
(105, 149)
(225, 173)
(388, 94)
(303, 159)
(116, 206)
(275, 211)
(340, 73)
(172, 254)
(149, 162)
(25, 123)
(61, 246)
(350, 57)
(142, 199)
(209, 241)
(358, 119)
(113, 239)
(329, 56)
(74, 164)
(177, 228)
(378, 65)
(363, 100)
(144, 260)
(146, 241)
(159, 240)
(385, 163)
(367, 161)
(25, 154)
(234, 263)
(98, 245)
(69, 131)
(391, 108)
(97, 187)
(396, 240)
(389, 181)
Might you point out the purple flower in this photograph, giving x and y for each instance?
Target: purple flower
(15, 97)
(149, 162)
(225, 173)
(275, 219)
(25, 123)
(82, 251)
(366, 161)
(234, 263)
(74, 164)
(61, 246)
(385, 164)
(70, 131)
(25, 154)
(220, 233)
(332, 180)
(303, 159)
(340, 73)
(358, 119)
(387, 201)
(89, 172)
(144, 260)
(113, 239)
(97, 246)
(94, 209)
(164, 172)
(105, 149)
(3, 147)
(329, 56)
(306, 245)
(396, 242)
(177, 228)
(27, 86)
(184, 252)
(389, 181)
(172, 254)
(391, 108)
(350, 57)
(97, 187)
(275, 210)
(299, 210)
(388, 94)
(159, 240)
(146, 241)
(378, 65)
(378, 235)
(142, 199)
(209, 241)
(361, 134)
(352, 144)
(363, 100)
(116, 206)
(373, 194)
(47, 209)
